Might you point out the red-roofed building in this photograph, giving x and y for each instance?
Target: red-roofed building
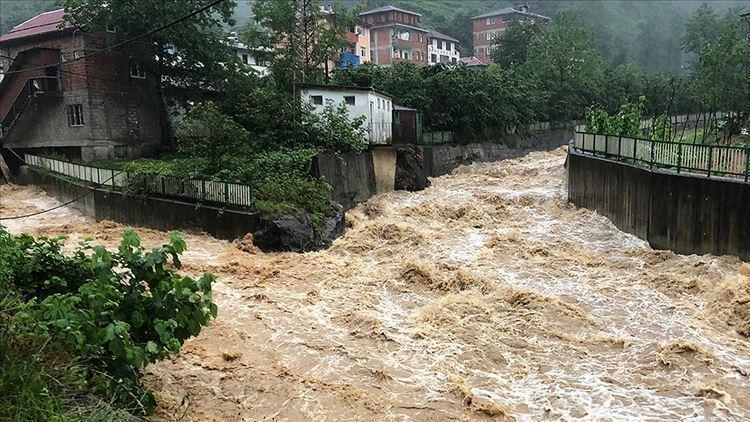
(58, 96)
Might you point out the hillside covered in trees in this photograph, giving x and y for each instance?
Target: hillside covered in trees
(645, 33)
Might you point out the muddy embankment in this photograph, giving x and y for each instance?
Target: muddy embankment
(484, 296)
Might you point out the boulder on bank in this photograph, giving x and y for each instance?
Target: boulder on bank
(298, 233)
(410, 171)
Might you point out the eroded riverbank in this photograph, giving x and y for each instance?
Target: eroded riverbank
(486, 295)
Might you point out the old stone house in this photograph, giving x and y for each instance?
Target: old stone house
(63, 92)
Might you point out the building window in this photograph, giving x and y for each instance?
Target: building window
(245, 59)
(379, 103)
(420, 38)
(77, 55)
(350, 100)
(121, 151)
(111, 28)
(363, 52)
(75, 115)
(488, 21)
(442, 44)
(134, 125)
(433, 58)
(137, 71)
(316, 99)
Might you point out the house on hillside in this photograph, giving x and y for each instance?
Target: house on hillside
(442, 48)
(396, 35)
(376, 107)
(57, 96)
(488, 26)
(248, 56)
(357, 50)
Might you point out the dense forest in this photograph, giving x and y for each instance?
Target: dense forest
(645, 33)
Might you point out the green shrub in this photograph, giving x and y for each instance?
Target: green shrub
(113, 311)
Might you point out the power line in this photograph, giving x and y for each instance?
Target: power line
(121, 43)
(91, 189)
(70, 72)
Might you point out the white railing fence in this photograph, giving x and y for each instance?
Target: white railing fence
(196, 189)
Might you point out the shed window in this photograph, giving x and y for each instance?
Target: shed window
(75, 115)
(316, 99)
(349, 99)
(137, 71)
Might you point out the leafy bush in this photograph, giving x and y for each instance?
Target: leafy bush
(627, 121)
(113, 311)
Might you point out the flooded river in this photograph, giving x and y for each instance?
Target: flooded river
(486, 296)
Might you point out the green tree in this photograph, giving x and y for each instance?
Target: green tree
(512, 47)
(298, 38)
(186, 59)
(722, 77)
(564, 60)
(703, 28)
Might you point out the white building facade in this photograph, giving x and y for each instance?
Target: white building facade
(377, 108)
(442, 48)
(247, 56)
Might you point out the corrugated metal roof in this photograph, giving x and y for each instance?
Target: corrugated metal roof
(388, 9)
(473, 61)
(508, 11)
(40, 24)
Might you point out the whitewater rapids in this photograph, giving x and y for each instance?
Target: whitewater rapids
(485, 296)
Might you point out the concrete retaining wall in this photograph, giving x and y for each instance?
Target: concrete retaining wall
(684, 213)
(357, 177)
(156, 213)
(442, 159)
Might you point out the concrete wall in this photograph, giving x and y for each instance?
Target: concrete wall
(351, 175)
(442, 159)
(156, 213)
(684, 213)
(384, 168)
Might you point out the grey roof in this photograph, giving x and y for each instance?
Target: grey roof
(402, 108)
(509, 11)
(342, 88)
(441, 36)
(388, 9)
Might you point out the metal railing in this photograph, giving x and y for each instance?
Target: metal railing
(195, 189)
(708, 160)
(32, 87)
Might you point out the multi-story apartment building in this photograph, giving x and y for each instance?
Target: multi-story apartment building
(487, 27)
(58, 96)
(358, 49)
(396, 35)
(442, 48)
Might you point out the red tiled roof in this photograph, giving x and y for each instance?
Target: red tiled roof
(40, 24)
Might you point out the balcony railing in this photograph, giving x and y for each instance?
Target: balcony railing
(42, 85)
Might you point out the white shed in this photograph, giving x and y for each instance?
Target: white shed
(376, 107)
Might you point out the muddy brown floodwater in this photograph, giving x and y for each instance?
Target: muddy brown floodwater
(485, 296)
